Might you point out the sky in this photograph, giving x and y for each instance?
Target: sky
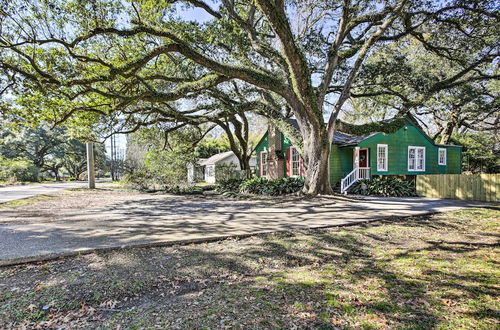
(189, 14)
(193, 14)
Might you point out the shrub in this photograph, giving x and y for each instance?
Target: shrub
(145, 181)
(225, 172)
(17, 169)
(140, 179)
(385, 186)
(263, 186)
(184, 190)
(232, 185)
(207, 187)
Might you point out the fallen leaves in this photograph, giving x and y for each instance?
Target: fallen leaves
(61, 320)
(111, 304)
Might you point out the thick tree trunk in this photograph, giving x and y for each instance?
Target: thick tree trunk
(244, 161)
(56, 173)
(316, 156)
(245, 166)
(447, 133)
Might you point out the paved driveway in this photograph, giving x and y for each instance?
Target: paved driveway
(144, 219)
(11, 193)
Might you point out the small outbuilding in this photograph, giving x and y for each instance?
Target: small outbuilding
(196, 171)
(209, 166)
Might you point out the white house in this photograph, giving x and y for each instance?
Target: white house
(227, 157)
(196, 172)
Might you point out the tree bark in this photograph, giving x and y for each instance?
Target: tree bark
(245, 165)
(447, 132)
(316, 155)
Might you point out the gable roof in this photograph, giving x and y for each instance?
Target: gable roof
(344, 139)
(216, 158)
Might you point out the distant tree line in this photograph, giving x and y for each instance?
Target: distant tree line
(32, 154)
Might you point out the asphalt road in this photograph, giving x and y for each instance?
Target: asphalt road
(11, 193)
(151, 219)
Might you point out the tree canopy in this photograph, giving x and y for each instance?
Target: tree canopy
(136, 63)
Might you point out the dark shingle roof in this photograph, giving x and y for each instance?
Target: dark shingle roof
(340, 138)
(345, 139)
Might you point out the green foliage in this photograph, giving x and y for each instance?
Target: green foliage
(140, 179)
(224, 172)
(166, 167)
(259, 186)
(387, 127)
(385, 186)
(40, 145)
(145, 180)
(481, 152)
(210, 146)
(263, 186)
(229, 178)
(164, 164)
(50, 150)
(232, 185)
(407, 75)
(184, 190)
(17, 169)
(157, 62)
(162, 169)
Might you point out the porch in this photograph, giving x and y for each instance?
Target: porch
(360, 169)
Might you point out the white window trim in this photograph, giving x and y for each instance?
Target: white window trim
(416, 153)
(445, 156)
(291, 163)
(262, 153)
(386, 147)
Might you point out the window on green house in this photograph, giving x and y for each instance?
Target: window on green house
(442, 156)
(382, 157)
(263, 163)
(295, 162)
(416, 159)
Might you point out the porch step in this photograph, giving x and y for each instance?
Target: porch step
(358, 173)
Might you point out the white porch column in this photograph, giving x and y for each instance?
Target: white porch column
(356, 157)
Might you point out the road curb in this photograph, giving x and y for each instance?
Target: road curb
(55, 256)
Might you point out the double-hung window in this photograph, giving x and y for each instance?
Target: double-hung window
(442, 156)
(382, 157)
(416, 159)
(295, 162)
(263, 163)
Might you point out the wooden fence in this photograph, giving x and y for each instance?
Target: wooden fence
(477, 187)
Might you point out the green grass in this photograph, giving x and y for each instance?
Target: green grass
(26, 201)
(437, 271)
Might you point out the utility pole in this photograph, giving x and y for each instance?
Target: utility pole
(111, 158)
(116, 158)
(90, 165)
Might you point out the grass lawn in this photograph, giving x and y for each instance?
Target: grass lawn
(439, 271)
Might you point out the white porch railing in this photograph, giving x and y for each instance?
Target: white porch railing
(358, 173)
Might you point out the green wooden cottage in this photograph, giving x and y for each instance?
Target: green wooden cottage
(406, 150)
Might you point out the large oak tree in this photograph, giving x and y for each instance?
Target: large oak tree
(140, 57)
